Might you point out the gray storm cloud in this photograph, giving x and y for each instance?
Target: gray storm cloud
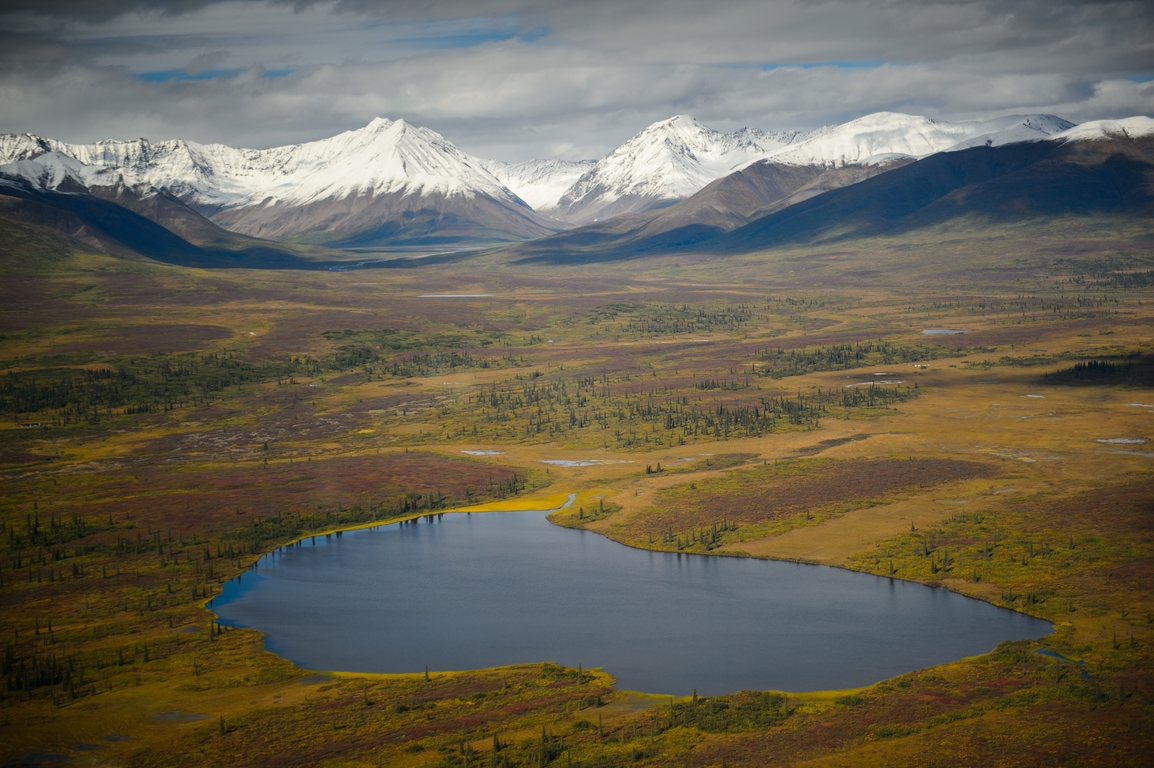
(518, 80)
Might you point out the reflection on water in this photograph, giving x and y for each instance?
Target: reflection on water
(484, 590)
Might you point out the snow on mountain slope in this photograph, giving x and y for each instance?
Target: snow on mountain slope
(540, 183)
(1012, 130)
(382, 158)
(386, 182)
(668, 161)
(386, 171)
(50, 170)
(886, 135)
(673, 159)
(21, 146)
(1134, 127)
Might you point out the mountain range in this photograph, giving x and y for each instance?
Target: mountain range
(1102, 167)
(388, 181)
(676, 184)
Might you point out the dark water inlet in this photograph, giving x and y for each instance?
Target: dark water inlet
(493, 589)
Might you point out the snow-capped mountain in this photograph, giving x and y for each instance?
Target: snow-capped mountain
(673, 159)
(666, 162)
(392, 181)
(352, 183)
(884, 136)
(383, 157)
(540, 183)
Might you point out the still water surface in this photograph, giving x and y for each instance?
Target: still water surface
(485, 590)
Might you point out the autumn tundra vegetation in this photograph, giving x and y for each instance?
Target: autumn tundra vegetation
(164, 427)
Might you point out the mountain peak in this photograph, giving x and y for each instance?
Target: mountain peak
(678, 122)
(679, 129)
(668, 160)
(383, 157)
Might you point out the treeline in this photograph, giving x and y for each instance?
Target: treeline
(1137, 370)
(56, 531)
(779, 363)
(665, 319)
(165, 382)
(708, 537)
(567, 407)
(1028, 302)
(1108, 275)
(432, 363)
(872, 396)
(40, 551)
(36, 671)
(294, 525)
(1087, 370)
(136, 385)
(706, 385)
(1123, 280)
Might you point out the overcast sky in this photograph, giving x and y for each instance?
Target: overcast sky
(557, 78)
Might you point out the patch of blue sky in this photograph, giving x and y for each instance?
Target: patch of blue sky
(497, 25)
(835, 64)
(446, 42)
(165, 75)
(466, 39)
(445, 34)
(1140, 78)
(274, 73)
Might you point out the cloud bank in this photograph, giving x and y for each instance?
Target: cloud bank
(516, 80)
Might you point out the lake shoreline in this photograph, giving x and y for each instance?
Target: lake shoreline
(547, 514)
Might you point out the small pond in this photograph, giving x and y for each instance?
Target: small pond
(483, 590)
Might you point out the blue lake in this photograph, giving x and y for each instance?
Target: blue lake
(493, 589)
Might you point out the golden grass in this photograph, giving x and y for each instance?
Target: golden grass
(1009, 707)
(525, 503)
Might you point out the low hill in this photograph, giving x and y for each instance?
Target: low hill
(127, 223)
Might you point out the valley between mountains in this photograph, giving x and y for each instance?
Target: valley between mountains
(912, 349)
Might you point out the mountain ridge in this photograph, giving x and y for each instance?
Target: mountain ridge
(1101, 170)
(387, 173)
(675, 183)
(667, 161)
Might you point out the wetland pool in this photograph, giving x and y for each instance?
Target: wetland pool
(470, 591)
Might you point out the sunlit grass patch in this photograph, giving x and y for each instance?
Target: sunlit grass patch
(532, 502)
(765, 500)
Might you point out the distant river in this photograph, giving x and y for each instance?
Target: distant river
(499, 588)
